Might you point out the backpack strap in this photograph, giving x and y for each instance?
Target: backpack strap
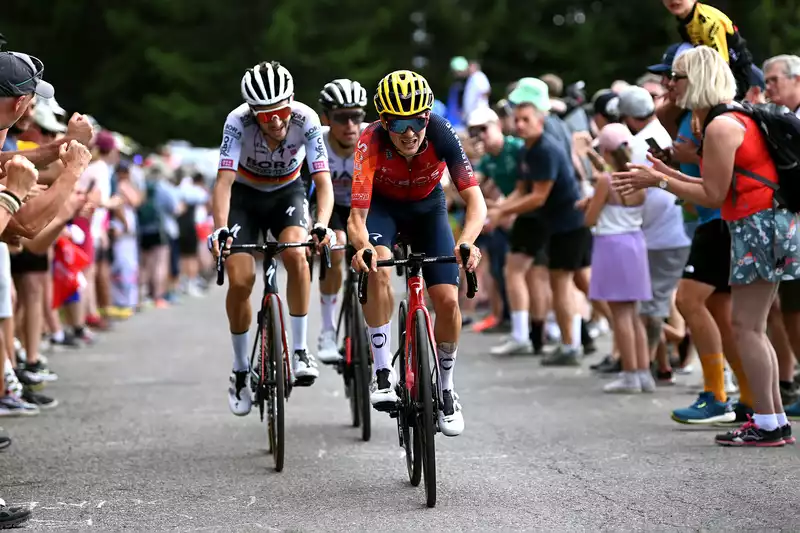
(752, 175)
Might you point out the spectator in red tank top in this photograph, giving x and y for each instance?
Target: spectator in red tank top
(763, 238)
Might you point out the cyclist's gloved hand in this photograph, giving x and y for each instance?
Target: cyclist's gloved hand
(474, 256)
(358, 263)
(323, 235)
(223, 234)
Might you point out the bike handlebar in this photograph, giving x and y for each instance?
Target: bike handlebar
(273, 248)
(417, 259)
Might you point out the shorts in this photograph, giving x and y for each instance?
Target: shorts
(27, 262)
(6, 308)
(148, 241)
(424, 225)
(765, 245)
(529, 237)
(339, 218)
(188, 239)
(102, 255)
(570, 251)
(253, 213)
(666, 268)
(710, 256)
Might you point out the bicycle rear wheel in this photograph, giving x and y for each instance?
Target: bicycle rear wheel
(426, 424)
(274, 385)
(362, 368)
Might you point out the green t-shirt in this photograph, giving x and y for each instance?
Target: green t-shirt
(503, 169)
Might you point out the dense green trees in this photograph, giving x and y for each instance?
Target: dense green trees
(170, 69)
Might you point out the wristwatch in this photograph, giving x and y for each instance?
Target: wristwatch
(664, 182)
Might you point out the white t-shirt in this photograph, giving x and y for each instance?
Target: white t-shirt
(100, 173)
(662, 217)
(476, 93)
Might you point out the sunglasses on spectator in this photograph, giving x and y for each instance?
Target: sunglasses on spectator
(265, 117)
(401, 124)
(343, 117)
(675, 76)
(476, 131)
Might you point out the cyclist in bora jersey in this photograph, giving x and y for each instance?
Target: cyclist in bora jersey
(343, 102)
(399, 162)
(264, 143)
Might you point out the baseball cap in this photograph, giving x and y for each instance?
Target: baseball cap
(668, 58)
(636, 102)
(606, 103)
(531, 91)
(44, 117)
(482, 116)
(105, 141)
(757, 78)
(612, 136)
(459, 64)
(21, 75)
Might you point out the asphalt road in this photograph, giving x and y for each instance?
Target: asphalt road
(144, 441)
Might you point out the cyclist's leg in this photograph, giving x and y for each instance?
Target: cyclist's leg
(382, 229)
(240, 267)
(289, 222)
(433, 236)
(328, 352)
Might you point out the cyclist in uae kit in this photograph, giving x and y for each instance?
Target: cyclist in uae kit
(399, 162)
(264, 144)
(343, 102)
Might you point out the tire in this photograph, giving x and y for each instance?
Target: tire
(362, 369)
(406, 418)
(274, 388)
(349, 374)
(425, 421)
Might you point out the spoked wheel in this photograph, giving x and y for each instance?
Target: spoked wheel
(273, 380)
(362, 371)
(406, 419)
(426, 425)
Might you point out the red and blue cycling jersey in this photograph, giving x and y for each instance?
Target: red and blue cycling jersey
(379, 169)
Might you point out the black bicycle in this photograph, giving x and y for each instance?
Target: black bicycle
(355, 365)
(270, 367)
(417, 366)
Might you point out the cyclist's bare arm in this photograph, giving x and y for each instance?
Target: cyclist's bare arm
(475, 214)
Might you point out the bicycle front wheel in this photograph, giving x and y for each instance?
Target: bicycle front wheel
(426, 424)
(362, 368)
(274, 383)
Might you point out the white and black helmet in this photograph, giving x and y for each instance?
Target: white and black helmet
(267, 83)
(343, 93)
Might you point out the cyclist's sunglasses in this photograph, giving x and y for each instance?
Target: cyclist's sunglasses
(401, 124)
(265, 117)
(343, 117)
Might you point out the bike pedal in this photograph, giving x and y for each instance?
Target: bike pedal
(304, 381)
(386, 408)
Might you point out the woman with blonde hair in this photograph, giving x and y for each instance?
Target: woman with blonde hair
(763, 237)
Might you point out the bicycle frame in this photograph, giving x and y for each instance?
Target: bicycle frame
(416, 300)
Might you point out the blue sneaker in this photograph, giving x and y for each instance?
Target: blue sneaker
(705, 410)
(793, 411)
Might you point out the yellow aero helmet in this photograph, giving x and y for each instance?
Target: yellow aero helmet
(403, 93)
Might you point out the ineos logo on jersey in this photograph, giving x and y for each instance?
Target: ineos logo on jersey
(379, 340)
(362, 147)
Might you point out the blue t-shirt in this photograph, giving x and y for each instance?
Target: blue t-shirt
(547, 161)
(10, 144)
(704, 214)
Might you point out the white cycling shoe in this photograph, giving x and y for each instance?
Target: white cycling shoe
(451, 421)
(304, 368)
(240, 399)
(382, 395)
(327, 351)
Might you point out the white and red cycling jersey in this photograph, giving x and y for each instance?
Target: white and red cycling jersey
(244, 149)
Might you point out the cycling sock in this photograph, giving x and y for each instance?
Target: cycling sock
(519, 326)
(766, 422)
(714, 375)
(447, 361)
(328, 309)
(240, 344)
(782, 420)
(380, 338)
(299, 332)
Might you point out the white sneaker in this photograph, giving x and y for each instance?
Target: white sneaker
(513, 347)
(626, 383)
(647, 381)
(240, 399)
(451, 425)
(327, 351)
(381, 390)
(304, 367)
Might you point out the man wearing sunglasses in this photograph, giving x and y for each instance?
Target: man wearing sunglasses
(264, 144)
(399, 163)
(343, 103)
